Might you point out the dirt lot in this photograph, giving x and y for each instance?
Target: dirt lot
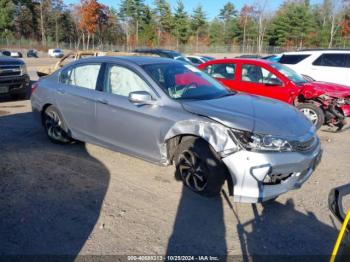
(84, 199)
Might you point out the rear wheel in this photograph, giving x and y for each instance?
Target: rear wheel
(54, 126)
(313, 113)
(199, 167)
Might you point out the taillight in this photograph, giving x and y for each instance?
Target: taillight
(34, 87)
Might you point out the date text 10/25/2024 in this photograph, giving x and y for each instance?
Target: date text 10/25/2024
(173, 258)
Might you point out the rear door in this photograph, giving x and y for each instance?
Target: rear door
(331, 67)
(224, 73)
(75, 98)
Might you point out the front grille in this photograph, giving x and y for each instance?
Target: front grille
(305, 145)
(10, 70)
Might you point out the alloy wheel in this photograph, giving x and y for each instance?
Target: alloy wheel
(53, 125)
(192, 172)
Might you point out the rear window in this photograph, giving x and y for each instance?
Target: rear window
(292, 59)
(334, 60)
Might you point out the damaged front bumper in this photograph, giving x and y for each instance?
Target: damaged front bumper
(260, 176)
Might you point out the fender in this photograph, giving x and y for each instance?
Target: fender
(214, 133)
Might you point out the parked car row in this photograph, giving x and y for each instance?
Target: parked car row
(321, 102)
(17, 54)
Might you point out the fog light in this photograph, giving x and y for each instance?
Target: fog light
(260, 172)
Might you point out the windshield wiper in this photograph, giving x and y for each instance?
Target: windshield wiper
(228, 94)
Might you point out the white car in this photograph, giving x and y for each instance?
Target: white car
(197, 60)
(16, 54)
(57, 53)
(320, 65)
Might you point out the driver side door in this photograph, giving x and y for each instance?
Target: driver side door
(122, 125)
(261, 81)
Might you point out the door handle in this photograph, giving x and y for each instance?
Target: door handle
(61, 91)
(102, 101)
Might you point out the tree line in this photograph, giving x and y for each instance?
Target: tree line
(90, 24)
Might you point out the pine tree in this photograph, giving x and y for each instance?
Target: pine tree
(6, 17)
(164, 16)
(198, 23)
(291, 25)
(228, 16)
(215, 32)
(181, 28)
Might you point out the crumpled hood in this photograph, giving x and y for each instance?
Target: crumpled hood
(313, 89)
(253, 113)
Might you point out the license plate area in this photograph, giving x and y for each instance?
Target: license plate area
(4, 89)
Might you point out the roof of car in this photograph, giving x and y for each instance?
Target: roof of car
(155, 50)
(318, 51)
(138, 60)
(228, 60)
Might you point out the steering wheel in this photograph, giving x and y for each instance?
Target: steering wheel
(187, 87)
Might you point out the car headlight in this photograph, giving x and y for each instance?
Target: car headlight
(259, 142)
(23, 69)
(341, 101)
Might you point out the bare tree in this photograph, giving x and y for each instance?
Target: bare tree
(335, 19)
(262, 22)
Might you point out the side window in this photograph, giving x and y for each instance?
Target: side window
(292, 59)
(194, 60)
(81, 75)
(122, 81)
(270, 78)
(347, 60)
(257, 74)
(335, 60)
(224, 71)
(252, 73)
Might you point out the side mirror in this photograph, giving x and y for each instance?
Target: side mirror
(141, 98)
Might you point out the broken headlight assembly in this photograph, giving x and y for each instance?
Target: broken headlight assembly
(259, 142)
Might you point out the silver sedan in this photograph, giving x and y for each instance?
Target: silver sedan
(169, 112)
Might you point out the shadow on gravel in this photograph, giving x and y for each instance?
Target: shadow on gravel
(199, 227)
(280, 230)
(50, 195)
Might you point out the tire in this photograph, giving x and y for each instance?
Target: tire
(199, 168)
(313, 113)
(54, 126)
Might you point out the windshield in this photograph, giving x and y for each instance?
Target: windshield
(291, 74)
(183, 59)
(183, 81)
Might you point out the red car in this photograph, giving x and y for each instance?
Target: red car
(321, 102)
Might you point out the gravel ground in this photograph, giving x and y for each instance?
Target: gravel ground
(84, 199)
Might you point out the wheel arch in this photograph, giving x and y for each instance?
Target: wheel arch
(42, 112)
(215, 134)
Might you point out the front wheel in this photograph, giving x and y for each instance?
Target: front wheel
(199, 167)
(54, 126)
(313, 113)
